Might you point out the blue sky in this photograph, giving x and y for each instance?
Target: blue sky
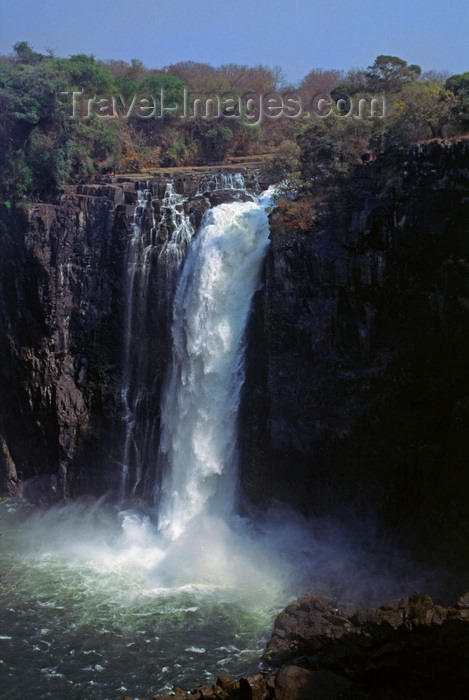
(296, 35)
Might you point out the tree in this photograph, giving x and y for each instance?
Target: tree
(172, 88)
(388, 146)
(316, 85)
(331, 147)
(284, 163)
(200, 78)
(421, 110)
(459, 86)
(88, 74)
(134, 71)
(217, 142)
(320, 81)
(258, 79)
(25, 54)
(435, 76)
(390, 74)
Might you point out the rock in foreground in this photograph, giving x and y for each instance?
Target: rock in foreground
(407, 649)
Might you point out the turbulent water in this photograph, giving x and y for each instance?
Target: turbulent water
(98, 604)
(103, 601)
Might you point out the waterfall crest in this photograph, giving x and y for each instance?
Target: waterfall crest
(176, 242)
(197, 457)
(221, 181)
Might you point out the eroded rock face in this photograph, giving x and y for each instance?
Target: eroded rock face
(358, 366)
(59, 287)
(7, 469)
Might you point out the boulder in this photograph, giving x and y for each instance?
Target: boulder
(253, 688)
(293, 683)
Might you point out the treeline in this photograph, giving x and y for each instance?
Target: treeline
(409, 107)
(117, 122)
(42, 147)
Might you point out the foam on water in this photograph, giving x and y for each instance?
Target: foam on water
(104, 601)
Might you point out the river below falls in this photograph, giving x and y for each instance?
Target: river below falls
(97, 605)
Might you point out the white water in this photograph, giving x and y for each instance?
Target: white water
(105, 606)
(201, 399)
(173, 251)
(221, 181)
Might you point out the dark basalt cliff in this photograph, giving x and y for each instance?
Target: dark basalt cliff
(357, 394)
(60, 285)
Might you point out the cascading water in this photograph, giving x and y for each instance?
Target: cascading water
(134, 394)
(222, 181)
(200, 403)
(140, 412)
(197, 456)
(174, 220)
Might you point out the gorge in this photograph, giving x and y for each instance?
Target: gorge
(352, 411)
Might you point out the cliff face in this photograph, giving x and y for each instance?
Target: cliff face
(62, 308)
(60, 286)
(358, 382)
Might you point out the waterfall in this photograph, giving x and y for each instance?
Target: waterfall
(197, 456)
(137, 264)
(173, 251)
(221, 181)
(103, 603)
(206, 295)
(162, 243)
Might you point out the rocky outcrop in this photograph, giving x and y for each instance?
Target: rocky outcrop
(7, 469)
(358, 373)
(410, 648)
(321, 650)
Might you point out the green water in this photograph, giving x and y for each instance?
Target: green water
(94, 606)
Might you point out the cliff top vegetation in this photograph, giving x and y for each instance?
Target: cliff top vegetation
(64, 119)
